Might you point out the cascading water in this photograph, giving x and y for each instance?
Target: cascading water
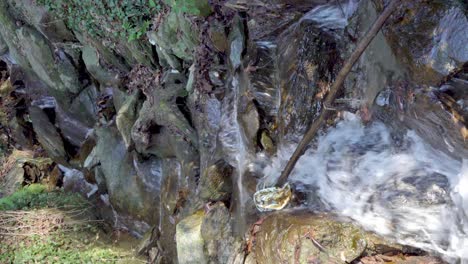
(234, 143)
(401, 189)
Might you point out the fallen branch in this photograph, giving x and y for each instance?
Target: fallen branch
(325, 114)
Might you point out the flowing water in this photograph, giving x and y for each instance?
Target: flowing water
(234, 144)
(405, 189)
(391, 182)
(388, 179)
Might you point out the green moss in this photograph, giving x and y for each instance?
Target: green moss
(80, 246)
(73, 238)
(36, 196)
(104, 18)
(192, 7)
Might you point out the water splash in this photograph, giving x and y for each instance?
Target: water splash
(332, 16)
(403, 189)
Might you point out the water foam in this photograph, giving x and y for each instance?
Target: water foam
(402, 189)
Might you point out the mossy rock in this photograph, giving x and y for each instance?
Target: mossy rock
(216, 182)
(176, 35)
(294, 238)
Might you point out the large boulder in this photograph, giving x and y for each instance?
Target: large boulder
(132, 183)
(162, 129)
(95, 66)
(190, 243)
(429, 38)
(8, 29)
(55, 69)
(45, 22)
(126, 117)
(176, 36)
(220, 242)
(47, 135)
(305, 238)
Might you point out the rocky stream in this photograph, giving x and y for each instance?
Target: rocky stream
(170, 135)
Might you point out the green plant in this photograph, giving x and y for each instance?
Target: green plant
(193, 7)
(106, 18)
(36, 196)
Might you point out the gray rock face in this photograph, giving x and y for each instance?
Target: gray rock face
(133, 190)
(219, 241)
(47, 134)
(55, 69)
(190, 243)
(126, 117)
(305, 67)
(91, 59)
(449, 48)
(431, 40)
(160, 121)
(84, 108)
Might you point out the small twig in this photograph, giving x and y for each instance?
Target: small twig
(361, 47)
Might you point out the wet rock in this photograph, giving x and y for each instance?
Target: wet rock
(449, 50)
(303, 238)
(190, 243)
(126, 117)
(308, 58)
(267, 143)
(401, 259)
(420, 189)
(378, 66)
(429, 38)
(48, 135)
(264, 82)
(206, 124)
(425, 115)
(218, 36)
(237, 42)
(250, 121)
(174, 188)
(216, 182)
(220, 242)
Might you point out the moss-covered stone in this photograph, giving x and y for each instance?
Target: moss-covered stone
(176, 35)
(56, 70)
(302, 237)
(189, 239)
(216, 182)
(126, 117)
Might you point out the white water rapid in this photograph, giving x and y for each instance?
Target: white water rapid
(405, 190)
